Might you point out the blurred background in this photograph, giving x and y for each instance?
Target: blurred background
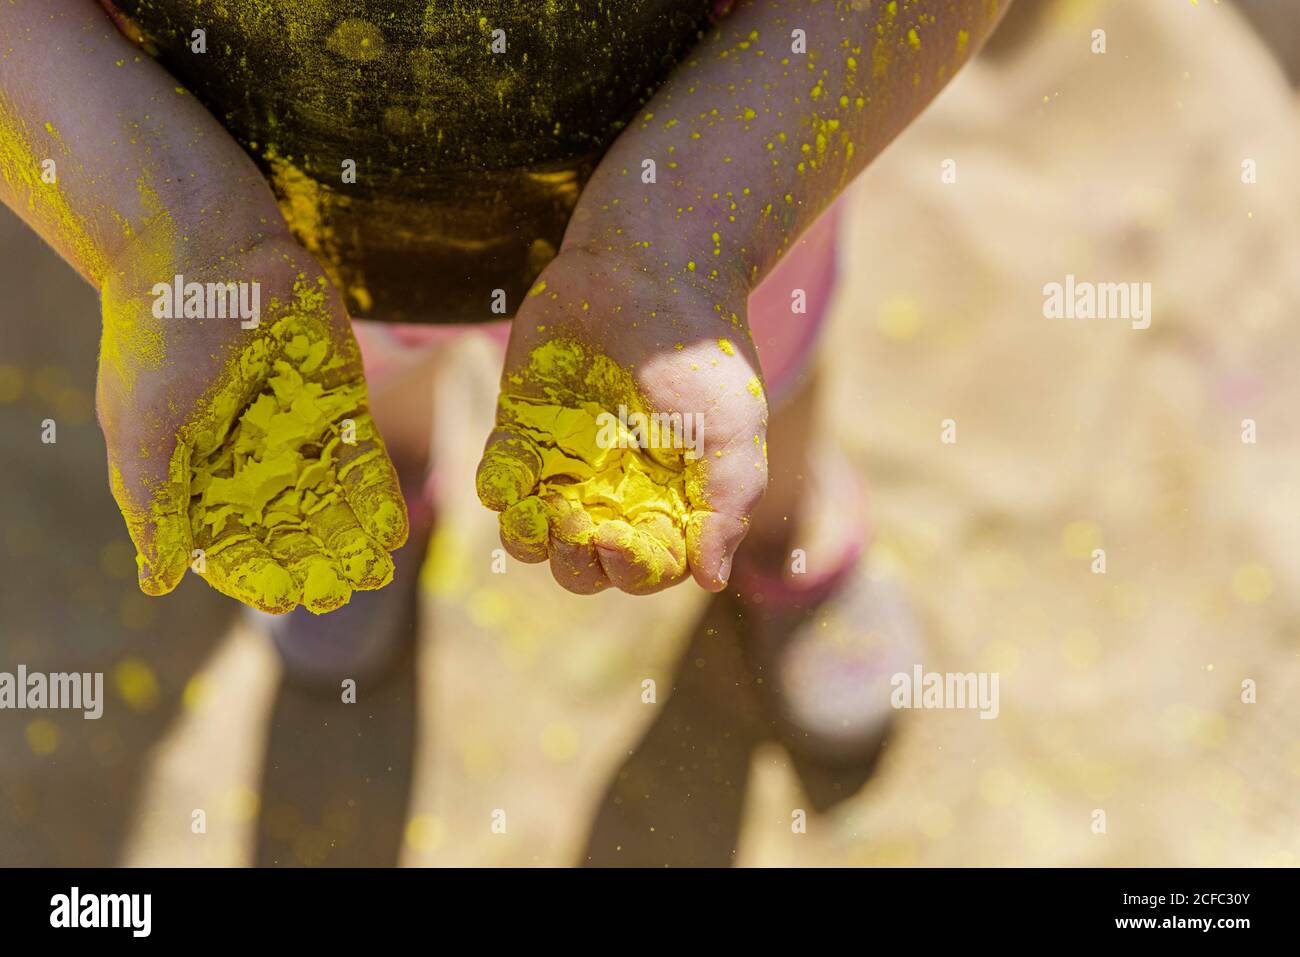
(1119, 692)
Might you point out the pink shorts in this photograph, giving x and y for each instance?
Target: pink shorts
(784, 339)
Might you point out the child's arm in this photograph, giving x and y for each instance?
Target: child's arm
(135, 156)
(752, 136)
(752, 139)
(143, 185)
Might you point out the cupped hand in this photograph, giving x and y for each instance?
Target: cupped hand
(629, 444)
(247, 454)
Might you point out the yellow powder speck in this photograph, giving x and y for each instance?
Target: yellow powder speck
(913, 39)
(357, 40)
(11, 383)
(559, 742)
(137, 685)
(42, 736)
(899, 319)
(425, 832)
(1252, 583)
(726, 346)
(195, 695)
(1080, 537)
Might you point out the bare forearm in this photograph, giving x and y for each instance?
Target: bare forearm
(752, 138)
(139, 166)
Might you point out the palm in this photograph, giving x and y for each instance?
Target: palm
(598, 333)
(228, 444)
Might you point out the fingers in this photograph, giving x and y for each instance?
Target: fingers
(524, 530)
(153, 495)
(711, 540)
(508, 471)
(574, 561)
(586, 557)
(723, 489)
(365, 563)
(318, 566)
(316, 575)
(644, 558)
(238, 565)
(371, 486)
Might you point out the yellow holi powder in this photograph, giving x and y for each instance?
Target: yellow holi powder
(570, 472)
(726, 346)
(607, 483)
(266, 477)
(45, 205)
(131, 341)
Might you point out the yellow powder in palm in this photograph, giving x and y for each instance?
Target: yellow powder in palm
(266, 478)
(561, 474)
(606, 483)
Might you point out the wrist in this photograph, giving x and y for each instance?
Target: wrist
(662, 247)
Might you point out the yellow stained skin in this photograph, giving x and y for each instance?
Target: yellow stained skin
(268, 504)
(723, 201)
(21, 168)
(560, 477)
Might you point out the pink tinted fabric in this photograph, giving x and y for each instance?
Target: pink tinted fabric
(784, 339)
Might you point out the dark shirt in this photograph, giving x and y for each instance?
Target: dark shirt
(468, 162)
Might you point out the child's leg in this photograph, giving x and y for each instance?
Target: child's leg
(787, 313)
(824, 633)
(365, 637)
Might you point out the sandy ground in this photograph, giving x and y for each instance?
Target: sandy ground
(1120, 692)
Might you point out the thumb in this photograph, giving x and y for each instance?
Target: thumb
(724, 485)
(152, 489)
(508, 471)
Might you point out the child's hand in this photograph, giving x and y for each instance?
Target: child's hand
(599, 331)
(246, 453)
